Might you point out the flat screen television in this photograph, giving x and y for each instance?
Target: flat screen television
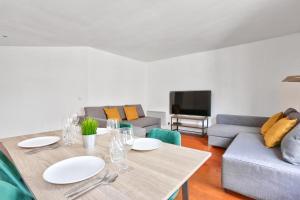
(190, 102)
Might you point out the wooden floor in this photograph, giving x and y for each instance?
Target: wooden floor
(206, 182)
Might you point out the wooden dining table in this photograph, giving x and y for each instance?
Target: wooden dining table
(154, 175)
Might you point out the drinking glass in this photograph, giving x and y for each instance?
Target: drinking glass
(75, 119)
(112, 124)
(117, 153)
(126, 138)
(67, 132)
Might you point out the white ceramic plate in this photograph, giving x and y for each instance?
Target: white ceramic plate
(73, 170)
(102, 131)
(146, 144)
(38, 141)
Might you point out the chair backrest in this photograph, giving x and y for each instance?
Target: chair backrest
(10, 192)
(168, 136)
(9, 174)
(10, 165)
(125, 125)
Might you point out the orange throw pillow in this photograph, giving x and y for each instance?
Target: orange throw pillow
(275, 134)
(112, 113)
(131, 112)
(270, 122)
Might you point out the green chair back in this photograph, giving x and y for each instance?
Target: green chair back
(9, 174)
(10, 165)
(168, 136)
(125, 125)
(10, 192)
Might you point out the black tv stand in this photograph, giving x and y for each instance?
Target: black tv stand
(179, 125)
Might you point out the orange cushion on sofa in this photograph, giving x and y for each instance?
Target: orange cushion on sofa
(270, 122)
(131, 112)
(112, 113)
(275, 134)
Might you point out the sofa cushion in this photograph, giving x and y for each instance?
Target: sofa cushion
(270, 122)
(289, 111)
(276, 133)
(139, 109)
(290, 146)
(120, 109)
(259, 172)
(230, 131)
(145, 121)
(112, 113)
(131, 112)
(294, 115)
(95, 112)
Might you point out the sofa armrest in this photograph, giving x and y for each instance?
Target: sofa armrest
(241, 120)
(101, 122)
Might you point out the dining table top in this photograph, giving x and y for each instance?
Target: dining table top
(154, 175)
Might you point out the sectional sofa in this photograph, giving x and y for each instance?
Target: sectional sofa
(141, 125)
(250, 168)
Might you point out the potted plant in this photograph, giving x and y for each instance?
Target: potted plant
(89, 130)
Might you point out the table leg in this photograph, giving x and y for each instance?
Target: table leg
(185, 191)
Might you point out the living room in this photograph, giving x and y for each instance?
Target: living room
(58, 58)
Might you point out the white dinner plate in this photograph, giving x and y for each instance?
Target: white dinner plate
(38, 141)
(73, 170)
(146, 144)
(102, 131)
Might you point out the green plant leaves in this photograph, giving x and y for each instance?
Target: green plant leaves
(89, 126)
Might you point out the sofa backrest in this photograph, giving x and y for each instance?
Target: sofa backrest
(95, 112)
(98, 112)
(241, 120)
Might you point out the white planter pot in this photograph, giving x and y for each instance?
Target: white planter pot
(89, 141)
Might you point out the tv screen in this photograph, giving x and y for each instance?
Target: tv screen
(190, 102)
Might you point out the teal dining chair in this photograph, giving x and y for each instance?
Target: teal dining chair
(10, 165)
(167, 136)
(10, 175)
(10, 192)
(125, 125)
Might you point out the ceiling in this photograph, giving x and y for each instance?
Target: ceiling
(146, 30)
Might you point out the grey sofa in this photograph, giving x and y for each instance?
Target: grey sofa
(248, 167)
(142, 125)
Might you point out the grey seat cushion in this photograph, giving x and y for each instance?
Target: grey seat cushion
(230, 131)
(259, 172)
(145, 121)
(290, 146)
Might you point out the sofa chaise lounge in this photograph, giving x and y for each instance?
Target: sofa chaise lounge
(248, 166)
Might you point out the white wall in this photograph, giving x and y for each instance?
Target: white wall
(41, 86)
(244, 79)
(115, 80)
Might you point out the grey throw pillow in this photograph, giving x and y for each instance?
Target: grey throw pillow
(290, 146)
(294, 115)
(289, 111)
